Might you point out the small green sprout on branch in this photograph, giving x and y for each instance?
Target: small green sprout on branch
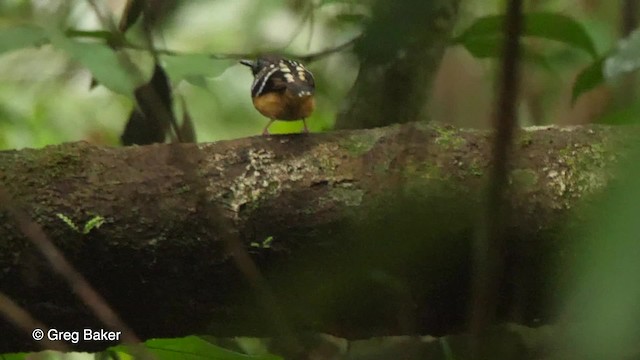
(265, 244)
(94, 222)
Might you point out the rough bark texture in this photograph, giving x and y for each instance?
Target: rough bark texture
(399, 55)
(370, 230)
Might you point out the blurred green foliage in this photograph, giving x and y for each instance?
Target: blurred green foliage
(44, 90)
(602, 306)
(190, 347)
(45, 96)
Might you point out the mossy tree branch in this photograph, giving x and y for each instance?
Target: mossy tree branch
(341, 224)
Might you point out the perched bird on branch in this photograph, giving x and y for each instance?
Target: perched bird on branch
(282, 89)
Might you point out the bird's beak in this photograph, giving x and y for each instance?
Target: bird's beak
(248, 63)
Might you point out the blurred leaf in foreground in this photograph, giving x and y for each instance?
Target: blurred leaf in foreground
(152, 118)
(588, 79)
(192, 347)
(103, 63)
(622, 61)
(181, 67)
(606, 298)
(19, 37)
(550, 26)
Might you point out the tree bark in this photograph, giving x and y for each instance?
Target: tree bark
(399, 55)
(356, 233)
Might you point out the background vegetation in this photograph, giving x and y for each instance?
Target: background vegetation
(45, 98)
(45, 95)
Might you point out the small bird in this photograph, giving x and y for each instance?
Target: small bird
(282, 89)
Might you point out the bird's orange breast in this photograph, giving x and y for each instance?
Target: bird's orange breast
(284, 105)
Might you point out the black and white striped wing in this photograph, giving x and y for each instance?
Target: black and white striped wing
(278, 76)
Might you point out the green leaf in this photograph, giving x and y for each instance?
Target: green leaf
(193, 347)
(620, 62)
(133, 10)
(267, 242)
(94, 223)
(491, 47)
(588, 79)
(197, 80)
(19, 37)
(14, 356)
(188, 66)
(102, 61)
(550, 26)
(68, 221)
(553, 26)
(485, 47)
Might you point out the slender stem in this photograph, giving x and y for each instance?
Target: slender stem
(122, 43)
(491, 238)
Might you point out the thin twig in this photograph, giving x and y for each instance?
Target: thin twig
(312, 22)
(160, 112)
(217, 56)
(298, 30)
(124, 60)
(490, 241)
(243, 260)
(80, 286)
(272, 309)
(320, 54)
(29, 325)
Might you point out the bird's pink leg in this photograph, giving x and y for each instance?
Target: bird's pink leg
(265, 131)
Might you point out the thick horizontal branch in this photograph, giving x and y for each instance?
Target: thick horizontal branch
(358, 233)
